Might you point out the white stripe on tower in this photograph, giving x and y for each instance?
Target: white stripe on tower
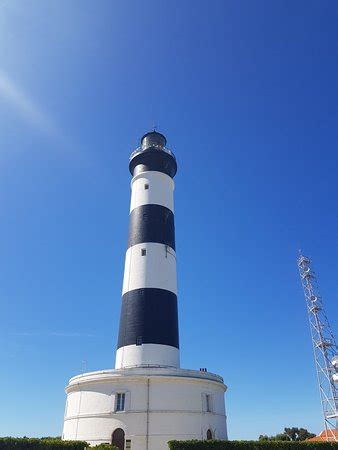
(160, 193)
(150, 265)
(149, 323)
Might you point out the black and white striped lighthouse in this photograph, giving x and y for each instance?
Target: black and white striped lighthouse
(159, 400)
(148, 332)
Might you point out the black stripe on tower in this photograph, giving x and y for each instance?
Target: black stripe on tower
(149, 316)
(151, 223)
(153, 160)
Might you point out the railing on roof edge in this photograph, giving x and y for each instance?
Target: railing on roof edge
(159, 147)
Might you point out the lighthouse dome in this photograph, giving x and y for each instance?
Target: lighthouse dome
(153, 139)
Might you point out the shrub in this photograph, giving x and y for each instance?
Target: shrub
(9, 443)
(251, 445)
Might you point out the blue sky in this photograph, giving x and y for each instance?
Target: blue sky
(246, 93)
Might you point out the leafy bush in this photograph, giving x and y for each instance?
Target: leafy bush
(9, 443)
(289, 434)
(251, 445)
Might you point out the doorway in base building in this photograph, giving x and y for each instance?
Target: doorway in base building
(118, 438)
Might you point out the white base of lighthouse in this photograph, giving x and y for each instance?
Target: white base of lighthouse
(160, 404)
(153, 354)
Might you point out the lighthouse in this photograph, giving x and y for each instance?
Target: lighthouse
(147, 399)
(148, 332)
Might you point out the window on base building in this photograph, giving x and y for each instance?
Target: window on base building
(128, 444)
(208, 402)
(146, 186)
(143, 252)
(120, 401)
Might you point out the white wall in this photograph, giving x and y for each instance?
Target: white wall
(160, 191)
(175, 407)
(150, 354)
(157, 269)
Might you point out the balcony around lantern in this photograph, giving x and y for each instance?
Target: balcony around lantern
(160, 148)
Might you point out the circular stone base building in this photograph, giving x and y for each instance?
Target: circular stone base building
(147, 400)
(160, 404)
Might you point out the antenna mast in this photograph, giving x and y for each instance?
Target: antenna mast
(324, 348)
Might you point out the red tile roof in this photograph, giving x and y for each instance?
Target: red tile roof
(331, 434)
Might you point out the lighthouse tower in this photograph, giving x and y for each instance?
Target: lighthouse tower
(149, 324)
(147, 399)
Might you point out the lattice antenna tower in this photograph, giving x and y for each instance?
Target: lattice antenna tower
(324, 348)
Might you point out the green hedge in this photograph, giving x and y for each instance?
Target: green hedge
(251, 445)
(9, 443)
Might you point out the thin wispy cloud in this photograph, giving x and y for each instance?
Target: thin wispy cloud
(61, 334)
(55, 333)
(28, 109)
